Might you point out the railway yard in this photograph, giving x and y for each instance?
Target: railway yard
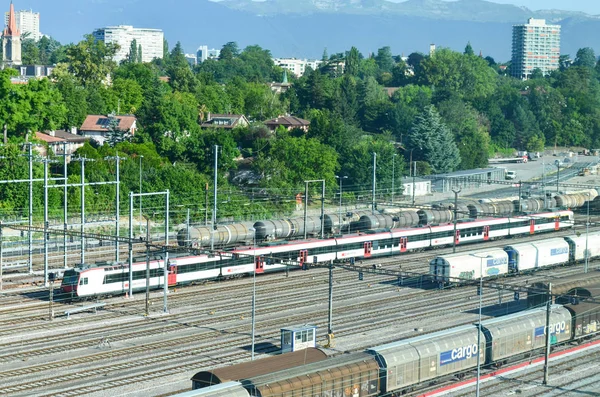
(117, 350)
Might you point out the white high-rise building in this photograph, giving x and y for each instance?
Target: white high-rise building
(28, 23)
(535, 46)
(151, 41)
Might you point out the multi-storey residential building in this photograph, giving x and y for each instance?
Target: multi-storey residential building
(296, 66)
(28, 23)
(535, 46)
(151, 41)
(203, 53)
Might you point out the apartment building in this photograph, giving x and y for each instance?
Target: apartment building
(151, 41)
(536, 45)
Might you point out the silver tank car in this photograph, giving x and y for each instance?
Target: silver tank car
(287, 228)
(224, 235)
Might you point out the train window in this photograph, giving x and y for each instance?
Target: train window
(83, 281)
(287, 337)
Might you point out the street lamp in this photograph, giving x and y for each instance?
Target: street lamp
(253, 230)
(481, 258)
(587, 230)
(340, 207)
(557, 163)
(456, 191)
(393, 175)
(141, 157)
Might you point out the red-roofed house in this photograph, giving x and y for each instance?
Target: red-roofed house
(59, 140)
(289, 122)
(96, 126)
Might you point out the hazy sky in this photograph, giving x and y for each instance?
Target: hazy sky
(589, 6)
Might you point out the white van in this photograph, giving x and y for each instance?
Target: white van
(511, 175)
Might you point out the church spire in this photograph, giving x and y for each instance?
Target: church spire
(11, 29)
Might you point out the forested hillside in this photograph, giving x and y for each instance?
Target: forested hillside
(448, 111)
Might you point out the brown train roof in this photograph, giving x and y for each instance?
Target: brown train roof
(259, 367)
(333, 371)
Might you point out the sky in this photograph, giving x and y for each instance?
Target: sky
(588, 6)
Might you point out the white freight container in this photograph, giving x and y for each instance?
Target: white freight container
(528, 256)
(577, 246)
(453, 268)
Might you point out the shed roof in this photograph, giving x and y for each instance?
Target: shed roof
(561, 286)
(259, 367)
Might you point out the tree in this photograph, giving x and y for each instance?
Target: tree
(229, 51)
(432, 142)
(585, 58)
(452, 73)
(132, 57)
(139, 54)
(291, 161)
(91, 60)
(384, 59)
(115, 134)
(180, 75)
(469, 49)
(352, 62)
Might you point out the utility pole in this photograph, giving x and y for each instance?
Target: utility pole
(587, 231)
(214, 214)
(117, 201)
(456, 191)
(46, 222)
(30, 233)
(130, 256)
(83, 160)
(374, 181)
(141, 157)
(206, 205)
(547, 354)
(1, 257)
(323, 210)
(520, 184)
(65, 206)
(305, 206)
(147, 267)
(413, 183)
(330, 320)
(393, 175)
(51, 298)
(166, 270)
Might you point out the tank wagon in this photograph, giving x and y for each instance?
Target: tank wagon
(235, 233)
(499, 208)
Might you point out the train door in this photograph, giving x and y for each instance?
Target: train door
(486, 233)
(557, 223)
(303, 257)
(172, 280)
(531, 226)
(403, 242)
(457, 237)
(259, 265)
(368, 247)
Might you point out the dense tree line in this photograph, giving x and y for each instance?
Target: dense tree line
(447, 111)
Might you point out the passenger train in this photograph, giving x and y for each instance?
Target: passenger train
(94, 280)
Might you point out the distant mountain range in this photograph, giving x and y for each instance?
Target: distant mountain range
(303, 28)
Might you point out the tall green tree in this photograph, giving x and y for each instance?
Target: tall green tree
(469, 49)
(384, 59)
(352, 64)
(91, 61)
(431, 141)
(132, 57)
(585, 58)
